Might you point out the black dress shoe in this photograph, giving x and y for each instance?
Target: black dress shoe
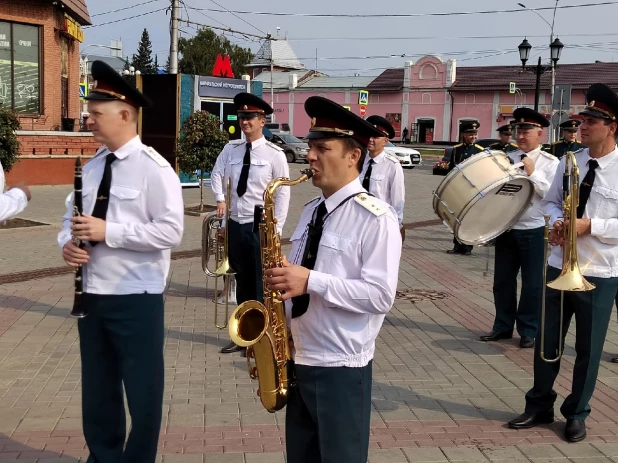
(231, 348)
(575, 430)
(530, 420)
(614, 360)
(495, 336)
(526, 342)
(453, 251)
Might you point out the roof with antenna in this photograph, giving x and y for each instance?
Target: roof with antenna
(282, 54)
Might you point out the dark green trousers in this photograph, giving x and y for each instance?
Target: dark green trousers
(518, 250)
(592, 310)
(327, 415)
(121, 343)
(246, 260)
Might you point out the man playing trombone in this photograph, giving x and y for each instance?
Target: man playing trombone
(250, 164)
(593, 244)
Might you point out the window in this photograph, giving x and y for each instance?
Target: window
(19, 67)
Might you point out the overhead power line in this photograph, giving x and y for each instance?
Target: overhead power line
(407, 15)
(266, 37)
(125, 19)
(125, 8)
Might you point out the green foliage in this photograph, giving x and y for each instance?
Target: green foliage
(199, 54)
(200, 142)
(9, 146)
(143, 61)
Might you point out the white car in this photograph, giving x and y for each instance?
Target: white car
(408, 157)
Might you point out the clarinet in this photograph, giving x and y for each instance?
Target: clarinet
(78, 208)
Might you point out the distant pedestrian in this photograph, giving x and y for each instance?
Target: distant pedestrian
(404, 135)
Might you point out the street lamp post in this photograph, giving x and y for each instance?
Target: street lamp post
(556, 48)
(524, 54)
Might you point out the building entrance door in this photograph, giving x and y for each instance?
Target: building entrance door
(426, 130)
(226, 112)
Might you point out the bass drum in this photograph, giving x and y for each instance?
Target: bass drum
(482, 197)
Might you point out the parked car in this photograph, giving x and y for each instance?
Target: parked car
(295, 149)
(408, 157)
(484, 142)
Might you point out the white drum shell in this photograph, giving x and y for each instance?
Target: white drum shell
(482, 197)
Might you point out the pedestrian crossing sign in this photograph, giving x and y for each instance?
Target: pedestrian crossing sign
(511, 87)
(363, 97)
(83, 90)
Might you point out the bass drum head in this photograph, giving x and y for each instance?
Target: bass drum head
(494, 210)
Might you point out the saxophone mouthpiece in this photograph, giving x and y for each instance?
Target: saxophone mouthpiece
(308, 172)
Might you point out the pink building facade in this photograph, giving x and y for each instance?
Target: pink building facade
(431, 97)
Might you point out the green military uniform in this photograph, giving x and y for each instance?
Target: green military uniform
(559, 148)
(459, 154)
(462, 152)
(591, 308)
(506, 147)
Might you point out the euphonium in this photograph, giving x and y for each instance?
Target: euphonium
(262, 328)
(571, 278)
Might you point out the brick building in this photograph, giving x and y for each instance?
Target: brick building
(39, 79)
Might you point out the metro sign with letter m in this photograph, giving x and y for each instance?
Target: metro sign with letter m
(223, 67)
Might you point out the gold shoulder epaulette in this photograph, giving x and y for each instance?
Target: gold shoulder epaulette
(457, 146)
(370, 203)
(479, 147)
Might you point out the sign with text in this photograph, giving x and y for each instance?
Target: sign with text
(363, 97)
(73, 29)
(218, 87)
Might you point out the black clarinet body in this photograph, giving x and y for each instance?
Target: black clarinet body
(79, 310)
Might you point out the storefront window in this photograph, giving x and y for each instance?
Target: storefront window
(19, 67)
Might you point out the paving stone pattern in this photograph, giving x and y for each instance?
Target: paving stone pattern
(439, 394)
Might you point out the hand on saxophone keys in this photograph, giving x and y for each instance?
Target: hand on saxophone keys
(290, 280)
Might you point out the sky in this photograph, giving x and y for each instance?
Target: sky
(368, 45)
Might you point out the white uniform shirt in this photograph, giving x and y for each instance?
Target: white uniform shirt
(267, 162)
(12, 202)
(386, 181)
(145, 219)
(352, 285)
(545, 166)
(597, 252)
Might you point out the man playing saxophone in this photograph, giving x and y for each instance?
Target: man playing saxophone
(250, 164)
(597, 254)
(339, 284)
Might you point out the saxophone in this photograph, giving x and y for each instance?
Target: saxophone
(262, 328)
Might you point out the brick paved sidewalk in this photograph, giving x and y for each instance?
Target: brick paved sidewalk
(438, 394)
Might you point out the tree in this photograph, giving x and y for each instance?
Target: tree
(200, 142)
(9, 145)
(199, 54)
(142, 61)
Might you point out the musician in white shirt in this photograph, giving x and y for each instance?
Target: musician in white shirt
(13, 201)
(521, 247)
(597, 254)
(382, 174)
(250, 164)
(339, 284)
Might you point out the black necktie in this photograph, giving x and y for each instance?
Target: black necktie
(524, 156)
(586, 187)
(102, 201)
(300, 303)
(368, 175)
(244, 173)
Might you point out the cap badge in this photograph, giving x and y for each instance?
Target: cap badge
(95, 83)
(313, 121)
(474, 125)
(591, 103)
(245, 107)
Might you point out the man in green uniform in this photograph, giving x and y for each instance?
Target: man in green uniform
(469, 132)
(596, 223)
(569, 139)
(505, 144)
